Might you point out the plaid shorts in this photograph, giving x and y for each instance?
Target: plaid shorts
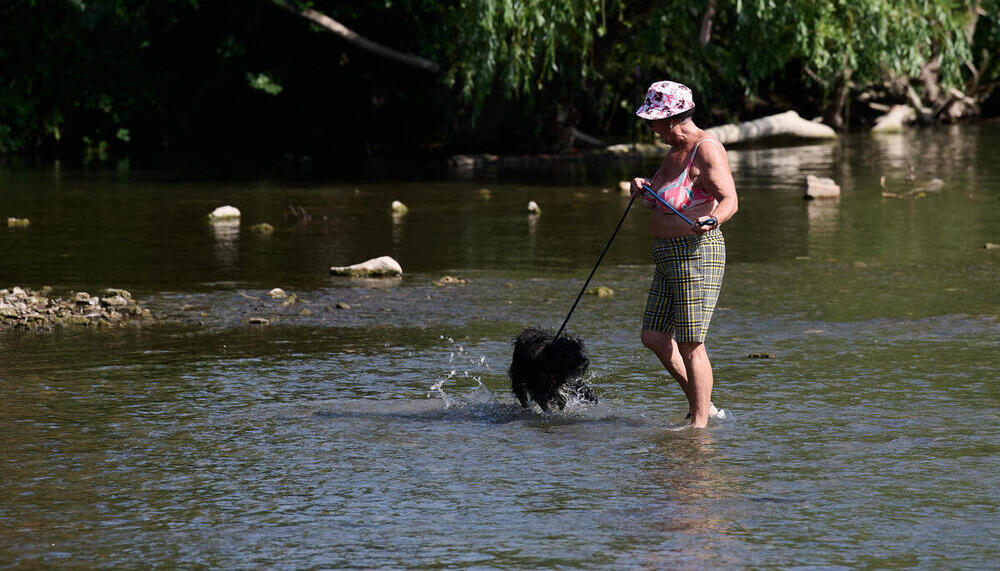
(685, 285)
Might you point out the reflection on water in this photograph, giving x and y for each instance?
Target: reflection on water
(376, 429)
(227, 235)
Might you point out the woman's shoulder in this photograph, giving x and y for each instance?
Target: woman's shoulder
(710, 149)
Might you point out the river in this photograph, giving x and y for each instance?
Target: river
(370, 424)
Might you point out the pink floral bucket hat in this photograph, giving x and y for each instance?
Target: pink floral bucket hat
(665, 99)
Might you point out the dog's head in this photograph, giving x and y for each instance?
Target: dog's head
(565, 358)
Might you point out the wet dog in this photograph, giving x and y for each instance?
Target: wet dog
(546, 369)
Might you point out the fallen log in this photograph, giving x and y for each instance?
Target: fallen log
(788, 124)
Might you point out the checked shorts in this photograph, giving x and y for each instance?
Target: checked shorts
(685, 285)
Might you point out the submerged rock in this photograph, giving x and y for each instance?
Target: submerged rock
(263, 228)
(384, 266)
(26, 309)
(601, 291)
(449, 280)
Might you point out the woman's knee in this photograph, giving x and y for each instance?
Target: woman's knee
(690, 349)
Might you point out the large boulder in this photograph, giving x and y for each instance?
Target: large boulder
(374, 268)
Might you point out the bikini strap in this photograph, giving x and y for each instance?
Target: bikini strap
(695, 151)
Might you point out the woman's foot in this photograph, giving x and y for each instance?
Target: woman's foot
(712, 412)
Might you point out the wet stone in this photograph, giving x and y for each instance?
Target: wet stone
(22, 308)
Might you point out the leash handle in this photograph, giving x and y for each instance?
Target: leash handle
(593, 271)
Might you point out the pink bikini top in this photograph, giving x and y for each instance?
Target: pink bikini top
(681, 192)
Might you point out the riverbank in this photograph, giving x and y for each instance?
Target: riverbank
(35, 310)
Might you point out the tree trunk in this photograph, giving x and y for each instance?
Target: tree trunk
(834, 114)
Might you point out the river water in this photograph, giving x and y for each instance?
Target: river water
(384, 434)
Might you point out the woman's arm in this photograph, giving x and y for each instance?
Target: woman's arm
(717, 180)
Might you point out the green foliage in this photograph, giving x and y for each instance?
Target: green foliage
(264, 82)
(103, 75)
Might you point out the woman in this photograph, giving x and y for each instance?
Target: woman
(690, 258)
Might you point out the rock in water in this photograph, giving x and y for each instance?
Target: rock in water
(894, 121)
(224, 213)
(398, 207)
(374, 268)
(449, 280)
(533, 208)
(817, 187)
(18, 222)
(601, 291)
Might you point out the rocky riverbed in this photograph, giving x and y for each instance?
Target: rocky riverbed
(22, 308)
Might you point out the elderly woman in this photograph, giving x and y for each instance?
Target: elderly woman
(694, 179)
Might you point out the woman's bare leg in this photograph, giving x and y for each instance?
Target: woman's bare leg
(700, 380)
(665, 348)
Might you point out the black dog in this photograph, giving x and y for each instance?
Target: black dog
(545, 368)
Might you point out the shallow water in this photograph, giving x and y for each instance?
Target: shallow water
(384, 435)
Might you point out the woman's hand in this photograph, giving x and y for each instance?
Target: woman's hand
(637, 183)
(705, 224)
(638, 191)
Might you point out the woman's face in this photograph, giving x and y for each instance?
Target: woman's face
(661, 127)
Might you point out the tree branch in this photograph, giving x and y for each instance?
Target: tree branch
(705, 35)
(352, 37)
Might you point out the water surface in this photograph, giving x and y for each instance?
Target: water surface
(384, 435)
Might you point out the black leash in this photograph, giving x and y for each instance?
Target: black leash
(586, 283)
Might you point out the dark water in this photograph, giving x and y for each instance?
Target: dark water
(384, 436)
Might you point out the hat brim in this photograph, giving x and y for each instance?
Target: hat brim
(653, 114)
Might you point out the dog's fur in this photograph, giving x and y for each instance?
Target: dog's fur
(544, 369)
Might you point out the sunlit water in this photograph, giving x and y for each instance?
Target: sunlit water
(384, 435)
